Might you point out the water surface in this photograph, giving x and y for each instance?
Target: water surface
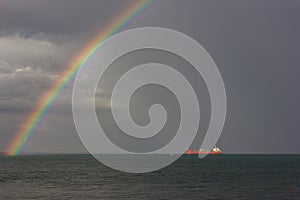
(215, 177)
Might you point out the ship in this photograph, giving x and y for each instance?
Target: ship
(214, 151)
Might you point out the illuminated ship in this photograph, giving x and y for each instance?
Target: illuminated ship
(214, 151)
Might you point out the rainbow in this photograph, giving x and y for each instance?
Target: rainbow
(27, 127)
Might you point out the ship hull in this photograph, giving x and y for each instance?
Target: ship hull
(191, 152)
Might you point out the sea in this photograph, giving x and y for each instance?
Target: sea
(214, 177)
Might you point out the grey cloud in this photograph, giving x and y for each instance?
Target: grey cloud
(255, 44)
(30, 16)
(17, 50)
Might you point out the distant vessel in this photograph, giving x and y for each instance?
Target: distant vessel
(214, 151)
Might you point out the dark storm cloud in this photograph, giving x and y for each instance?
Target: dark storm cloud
(56, 17)
(255, 44)
(37, 40)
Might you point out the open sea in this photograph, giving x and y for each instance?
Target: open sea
(214, 177)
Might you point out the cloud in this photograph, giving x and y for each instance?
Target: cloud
(21, 86)
(17, 50)
(56, 17)
(37, 40)
(28, 67)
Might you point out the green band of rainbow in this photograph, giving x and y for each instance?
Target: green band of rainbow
(26, 129)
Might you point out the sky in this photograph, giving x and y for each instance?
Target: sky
(255, 45)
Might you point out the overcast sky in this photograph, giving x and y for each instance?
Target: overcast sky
(255, 44)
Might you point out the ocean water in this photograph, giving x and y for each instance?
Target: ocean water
(215, 177)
